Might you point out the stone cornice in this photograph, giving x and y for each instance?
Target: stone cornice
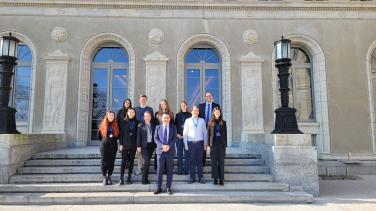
(253, 5)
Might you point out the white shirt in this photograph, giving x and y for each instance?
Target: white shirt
(194, 130)
(150, 135)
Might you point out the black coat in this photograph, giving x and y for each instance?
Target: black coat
(128, 142)
(210, 135)
(99, 134)
(202, 108)
(180, 119)
(142, 135)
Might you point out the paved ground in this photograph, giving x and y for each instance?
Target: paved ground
(335, 195)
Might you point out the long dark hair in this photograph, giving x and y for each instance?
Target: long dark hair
(213, 120)
(124, 110)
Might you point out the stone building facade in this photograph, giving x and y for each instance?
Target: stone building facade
(332, 75)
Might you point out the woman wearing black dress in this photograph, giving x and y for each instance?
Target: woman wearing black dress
(217, 141)
(128, 144)
(108, 133)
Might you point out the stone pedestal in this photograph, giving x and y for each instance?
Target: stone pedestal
(251, 83)
(15, 149)
(293, 160)
(156, 76)
(55, 92)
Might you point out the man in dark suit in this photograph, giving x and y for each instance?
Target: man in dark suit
(165, 138)
(206, 110)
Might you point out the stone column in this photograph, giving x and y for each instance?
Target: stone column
(251, 83)
(55, 92)
(293, 160)
(156, 76)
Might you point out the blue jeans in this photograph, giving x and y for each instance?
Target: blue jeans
(183, 167)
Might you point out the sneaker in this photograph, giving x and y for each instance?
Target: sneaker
(109, 181)
(121, 182)
(104, 182)
(191, 181)
(202, 181)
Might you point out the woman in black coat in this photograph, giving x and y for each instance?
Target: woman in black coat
(217, 141)
(108, 133)
(128, 144)
(146, 144)
(122, 113)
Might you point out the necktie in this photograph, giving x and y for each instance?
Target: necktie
(165, 136)
(207, 113)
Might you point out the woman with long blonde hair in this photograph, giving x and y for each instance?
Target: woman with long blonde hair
(108, 133)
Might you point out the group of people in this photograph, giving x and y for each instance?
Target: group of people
(141, 132)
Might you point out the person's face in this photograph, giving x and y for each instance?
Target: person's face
(163, 105)
(143, 100)
(165, 119)
(183, 107)
(209, 97)
(147, 118)
(111, 117)
(127, 104)
(195, 112)
(217, 114)
(131, 113)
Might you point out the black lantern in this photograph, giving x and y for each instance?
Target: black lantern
(285, 121)
(8, 58)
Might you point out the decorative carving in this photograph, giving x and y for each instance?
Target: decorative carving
(156, 36)
(59, 34)
(155, 56)
(250, 36)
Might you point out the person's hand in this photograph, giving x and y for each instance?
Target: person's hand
(121, 148)
(179, 136)
(139, 149)
(186, 147)
(166, 148)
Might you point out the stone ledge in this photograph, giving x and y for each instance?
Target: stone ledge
(15, 149)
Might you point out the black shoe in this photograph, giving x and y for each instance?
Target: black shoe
(158, 191)
(180, 173)
(191, 181)
(109, 181)
(146, 182)
(202, 181)
(129, 182)
(104, 182)
(169, 191)
(215, 182)
(221, 182)
(121, 182)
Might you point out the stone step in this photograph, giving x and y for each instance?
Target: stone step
(97, 169)
(54, 155)
(137, 187)
(97, 162)
(87, 178)
(150, 198)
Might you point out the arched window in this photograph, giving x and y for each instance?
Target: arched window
(21, 91)
(301, 85)
(109, 83)
(202, 74)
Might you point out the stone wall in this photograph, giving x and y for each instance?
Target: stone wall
(17, 148)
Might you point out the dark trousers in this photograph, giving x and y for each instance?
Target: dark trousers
(183, 167)
(165, 161)
(127, 158)
(147, 153)
(195, 158)
(108, 150)
(217, 155)
(204, 158)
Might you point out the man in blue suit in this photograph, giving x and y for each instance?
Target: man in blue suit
(206, 110)
(165, 138)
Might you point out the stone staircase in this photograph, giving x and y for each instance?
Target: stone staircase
(72, 176)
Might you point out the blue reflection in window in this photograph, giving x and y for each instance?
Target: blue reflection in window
(206, 55)
(22, 80)
(193, 91)
(111, 55)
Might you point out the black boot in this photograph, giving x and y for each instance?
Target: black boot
(105, 180)
(221, 182)
(215, 182)
(121, 182)
(109, 181)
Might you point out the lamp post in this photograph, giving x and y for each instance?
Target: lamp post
(285, 121)
(8, 58)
